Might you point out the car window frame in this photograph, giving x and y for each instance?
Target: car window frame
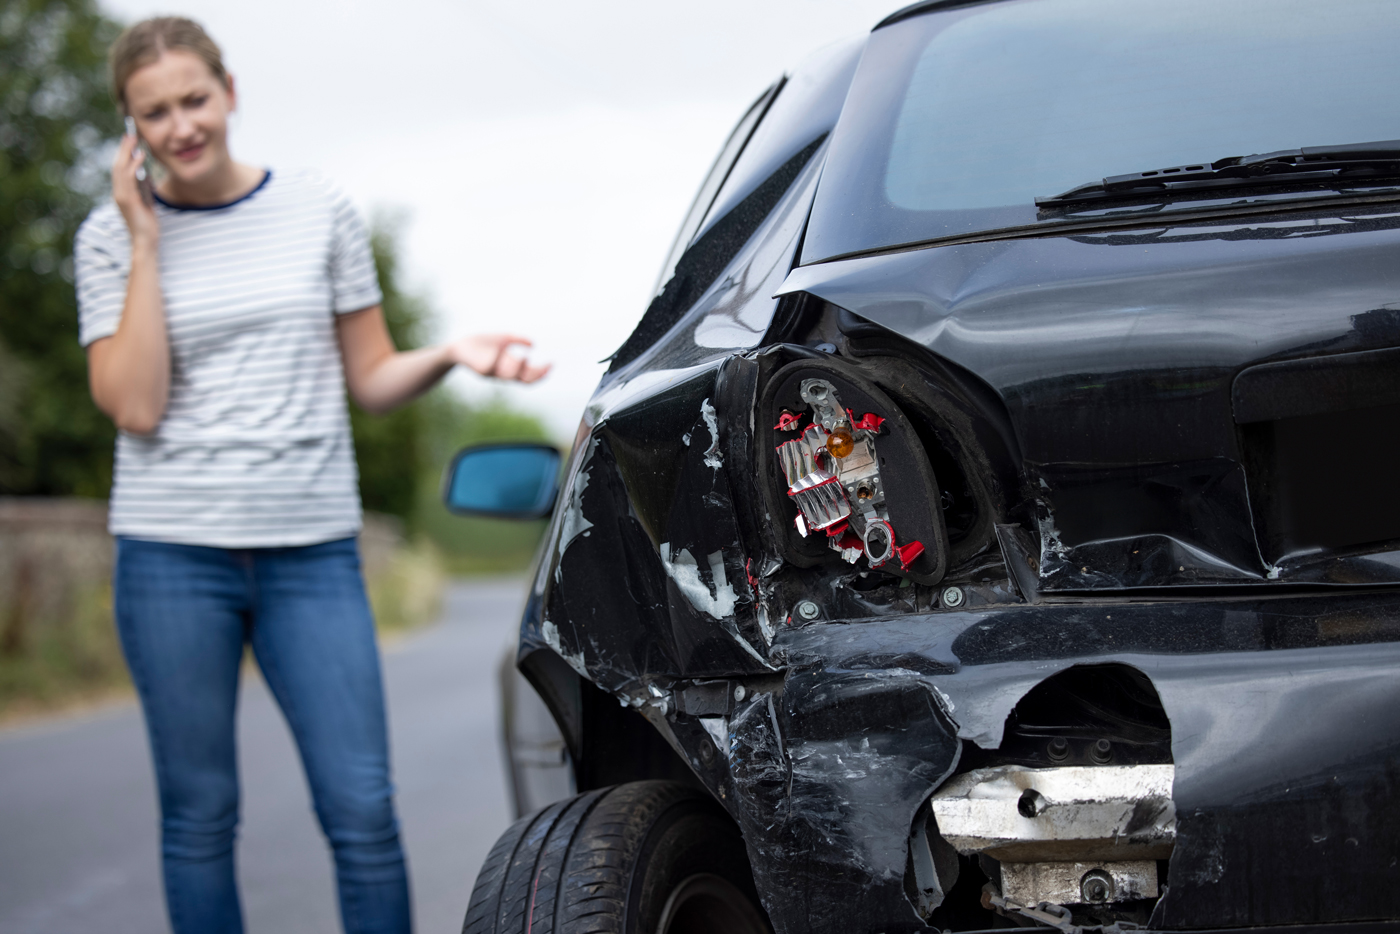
(713, 183)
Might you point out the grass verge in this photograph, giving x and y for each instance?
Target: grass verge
(71, 664)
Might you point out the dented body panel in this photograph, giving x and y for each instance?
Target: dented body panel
(1285, 747)
(1126, 363)
(1141, 668)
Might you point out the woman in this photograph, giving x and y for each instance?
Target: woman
(223, 320)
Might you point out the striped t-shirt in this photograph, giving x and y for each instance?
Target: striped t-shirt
(254, 450)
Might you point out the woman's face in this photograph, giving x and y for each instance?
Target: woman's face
(181, 111)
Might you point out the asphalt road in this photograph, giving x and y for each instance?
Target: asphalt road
(78, 835)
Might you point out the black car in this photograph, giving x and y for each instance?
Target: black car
(994, 519)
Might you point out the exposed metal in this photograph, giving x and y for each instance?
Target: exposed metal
(1104, 813)
(1079, 883)
(832, 472)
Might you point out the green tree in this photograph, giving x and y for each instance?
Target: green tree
(472, 545)
(389, 448)
(56, 119)
(401, 455)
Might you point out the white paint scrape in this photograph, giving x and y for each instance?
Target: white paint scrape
(551, 638)
(682, 568)
(712, 456)
(719, 733)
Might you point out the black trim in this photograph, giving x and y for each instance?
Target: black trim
(771, 95)
(927, 6)
(1324, 385)
(1137, 220)
(706, 258)
(267, 177)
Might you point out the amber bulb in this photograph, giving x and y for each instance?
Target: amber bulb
(840, 443)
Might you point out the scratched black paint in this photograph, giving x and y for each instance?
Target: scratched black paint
(1103, 413)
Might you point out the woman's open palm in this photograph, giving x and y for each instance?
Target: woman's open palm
(490, 355)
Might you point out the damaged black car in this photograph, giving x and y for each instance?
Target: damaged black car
(993, 521)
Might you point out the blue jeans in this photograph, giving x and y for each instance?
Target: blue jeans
(184, 614)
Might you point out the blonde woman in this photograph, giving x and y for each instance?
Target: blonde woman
(224, 316)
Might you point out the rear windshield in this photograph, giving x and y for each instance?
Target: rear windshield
(958, 120)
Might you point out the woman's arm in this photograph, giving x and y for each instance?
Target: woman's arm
(129, 372)
(381, 379)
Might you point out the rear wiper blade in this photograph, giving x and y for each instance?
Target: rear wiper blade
(1343, 165)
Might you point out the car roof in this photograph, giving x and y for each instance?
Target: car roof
(927, 6)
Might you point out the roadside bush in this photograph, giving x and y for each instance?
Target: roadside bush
(66, 661)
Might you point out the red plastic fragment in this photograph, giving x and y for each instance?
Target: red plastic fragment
(867, 422)
(909, 553)
(748, 572)
(788, 422)
(851, 540)
(836, 528)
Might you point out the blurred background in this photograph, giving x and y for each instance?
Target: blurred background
(523, 167)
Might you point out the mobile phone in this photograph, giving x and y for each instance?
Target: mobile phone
(143, 171)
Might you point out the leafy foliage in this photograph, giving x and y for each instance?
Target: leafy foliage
(55, 120)
(473, 545)
(389, 448)
(401, 455)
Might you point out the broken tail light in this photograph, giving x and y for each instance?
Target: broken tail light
(850, 464)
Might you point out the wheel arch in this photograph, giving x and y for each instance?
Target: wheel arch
(608, 744)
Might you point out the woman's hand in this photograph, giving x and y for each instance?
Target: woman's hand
(129, 372)
(126, 192)
(489, 355)
(381, 379)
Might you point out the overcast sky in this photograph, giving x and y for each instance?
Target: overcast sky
(542, 153)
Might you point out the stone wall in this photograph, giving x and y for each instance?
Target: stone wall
(52, 553)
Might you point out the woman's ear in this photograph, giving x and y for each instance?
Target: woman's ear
(231, 92)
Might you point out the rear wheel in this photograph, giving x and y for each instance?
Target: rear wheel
(641, 858)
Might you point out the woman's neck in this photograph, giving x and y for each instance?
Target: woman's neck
(231, 182)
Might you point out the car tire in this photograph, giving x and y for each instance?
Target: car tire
(641, 858)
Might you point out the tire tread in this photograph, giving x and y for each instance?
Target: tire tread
(569, 868)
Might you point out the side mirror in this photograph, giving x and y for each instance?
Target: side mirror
(505, 481)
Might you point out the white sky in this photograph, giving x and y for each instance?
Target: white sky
(543, 153)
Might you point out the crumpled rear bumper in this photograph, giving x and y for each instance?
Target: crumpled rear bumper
(1285, 720)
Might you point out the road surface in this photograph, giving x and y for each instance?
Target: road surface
(78, 835)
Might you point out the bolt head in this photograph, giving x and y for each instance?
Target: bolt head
(952, 597)
(1102, 751)
(1096, 887)
(739, 692)
(807, 609)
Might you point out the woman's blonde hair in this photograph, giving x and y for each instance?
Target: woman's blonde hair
(143, 43)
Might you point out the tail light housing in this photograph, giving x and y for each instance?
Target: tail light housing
(846, 476)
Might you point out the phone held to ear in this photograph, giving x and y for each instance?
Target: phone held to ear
(143, 174)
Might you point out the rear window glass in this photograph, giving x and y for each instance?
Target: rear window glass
(957, 120)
